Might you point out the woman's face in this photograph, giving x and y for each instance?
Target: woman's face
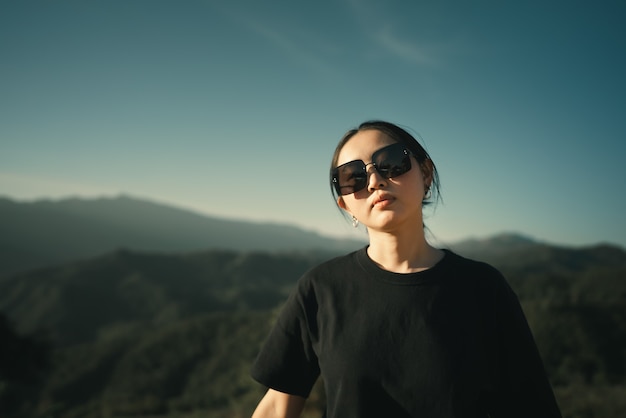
(384, 204)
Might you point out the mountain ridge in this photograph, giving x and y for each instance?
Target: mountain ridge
(46, 232)
(50, 232)
(138, 333)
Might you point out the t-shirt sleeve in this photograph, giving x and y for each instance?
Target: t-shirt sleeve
(287, 361)
(524, 389)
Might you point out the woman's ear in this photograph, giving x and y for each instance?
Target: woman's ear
(427, 172)
(341, 203)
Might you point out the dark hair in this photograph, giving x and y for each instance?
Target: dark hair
(401, 136)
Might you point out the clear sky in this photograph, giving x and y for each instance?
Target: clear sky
(233, 108)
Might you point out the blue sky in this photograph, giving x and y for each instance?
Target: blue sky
(233, 108)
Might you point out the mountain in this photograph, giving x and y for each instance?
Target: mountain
(141, 334)
(123, 307)
(519, 251)
(135, 333)
(149, 334)
(495, 245)
(77, 302)
(42, 233)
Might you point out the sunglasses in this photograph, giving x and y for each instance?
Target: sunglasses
(390, 161)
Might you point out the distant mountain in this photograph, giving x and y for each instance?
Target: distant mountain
(497, 245)
(511, 251)
(45, 232)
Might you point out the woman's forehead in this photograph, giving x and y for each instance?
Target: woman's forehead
(362, 145)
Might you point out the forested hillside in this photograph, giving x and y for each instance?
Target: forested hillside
(164, 335)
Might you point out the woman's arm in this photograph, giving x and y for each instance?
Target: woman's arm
(524, 389)
(276, 404)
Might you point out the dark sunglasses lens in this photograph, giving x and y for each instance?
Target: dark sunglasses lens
(392, 161)
(350, 177)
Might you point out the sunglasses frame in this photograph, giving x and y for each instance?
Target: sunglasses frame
(361, 183)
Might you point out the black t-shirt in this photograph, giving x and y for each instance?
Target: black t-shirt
(450, 341)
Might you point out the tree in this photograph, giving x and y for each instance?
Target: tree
(23, 363)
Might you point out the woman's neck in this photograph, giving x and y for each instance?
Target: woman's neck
(405, 251)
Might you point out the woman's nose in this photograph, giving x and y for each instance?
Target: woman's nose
(375, 181)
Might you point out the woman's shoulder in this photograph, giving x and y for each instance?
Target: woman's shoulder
(480, 276)
(334, 266)
(471, 269)
(456, 260)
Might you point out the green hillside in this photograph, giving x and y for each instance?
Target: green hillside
(158, 335)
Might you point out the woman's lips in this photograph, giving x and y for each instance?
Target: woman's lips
(382, 201)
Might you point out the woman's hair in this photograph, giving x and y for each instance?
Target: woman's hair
(401, 136)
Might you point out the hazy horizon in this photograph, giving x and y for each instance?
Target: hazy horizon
(358, 235)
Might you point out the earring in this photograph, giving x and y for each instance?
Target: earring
(428, 194)
(355, 221)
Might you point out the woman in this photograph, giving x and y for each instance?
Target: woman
(400, 328)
